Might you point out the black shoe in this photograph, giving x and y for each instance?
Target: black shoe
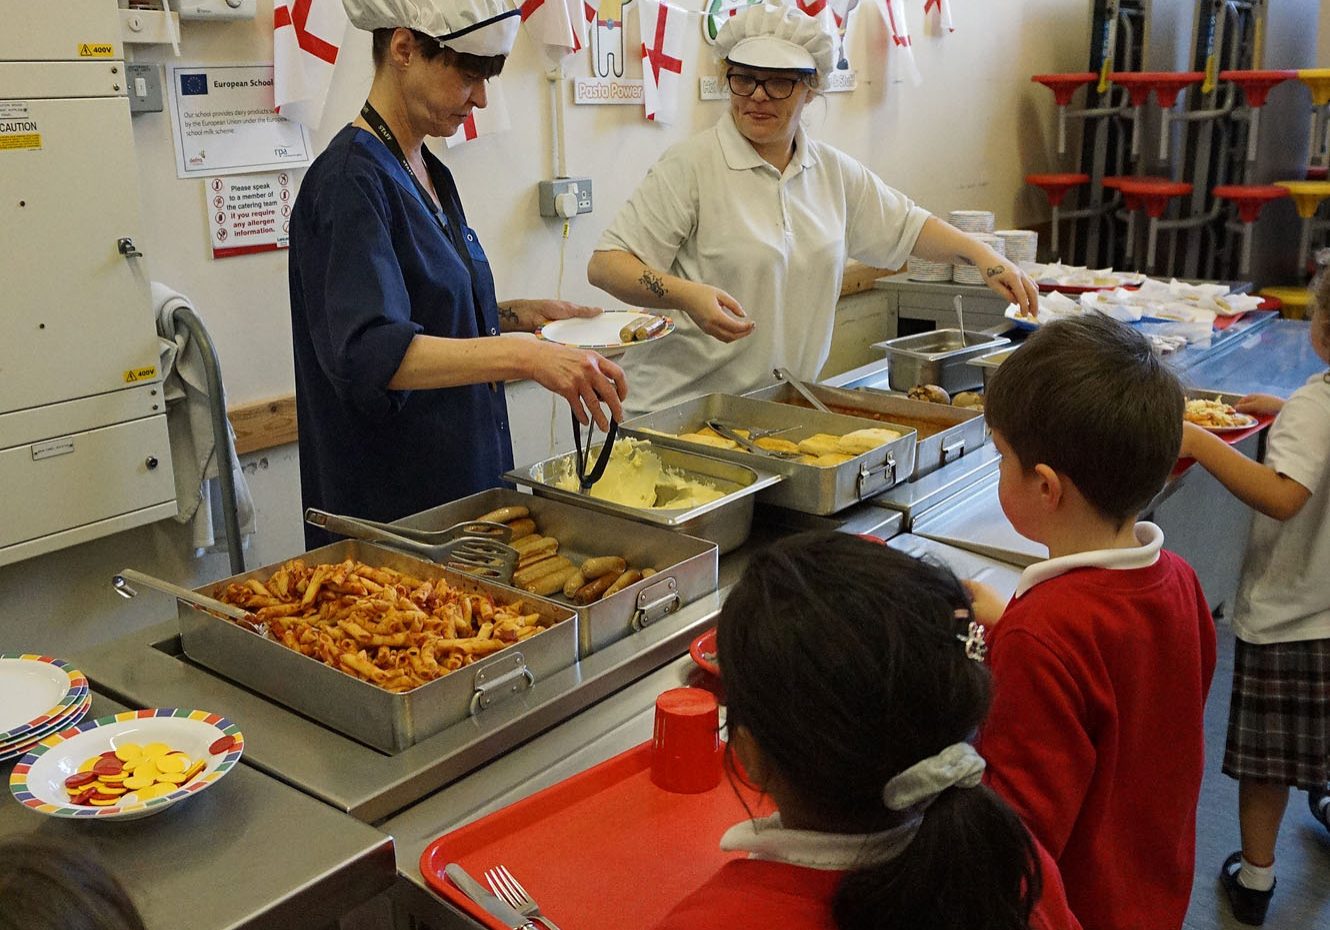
(1248, 906)
(1317, 801)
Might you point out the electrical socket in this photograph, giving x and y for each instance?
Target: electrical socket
(550, 190)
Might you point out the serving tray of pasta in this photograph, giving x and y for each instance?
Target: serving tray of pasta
(382, 646)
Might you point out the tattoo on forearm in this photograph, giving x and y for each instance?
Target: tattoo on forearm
(508, 317)
(652, 282)
(995, 270)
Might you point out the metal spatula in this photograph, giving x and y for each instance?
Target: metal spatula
(476, 548)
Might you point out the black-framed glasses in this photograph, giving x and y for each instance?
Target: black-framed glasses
(777, 88)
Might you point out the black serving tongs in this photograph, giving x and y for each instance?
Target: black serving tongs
(586, 479)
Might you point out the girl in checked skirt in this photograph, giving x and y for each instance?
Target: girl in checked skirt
(1279, 716)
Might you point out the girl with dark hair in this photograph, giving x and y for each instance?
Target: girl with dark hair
(49, 885)
(854, 682)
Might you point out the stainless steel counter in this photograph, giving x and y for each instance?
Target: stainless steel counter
(248, 852)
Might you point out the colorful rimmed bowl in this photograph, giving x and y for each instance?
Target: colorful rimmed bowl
(34, 691)
(38, 781)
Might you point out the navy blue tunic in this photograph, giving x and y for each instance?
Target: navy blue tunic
(369, 269)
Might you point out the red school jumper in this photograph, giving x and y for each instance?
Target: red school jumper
(1096, 735)
(759, 894)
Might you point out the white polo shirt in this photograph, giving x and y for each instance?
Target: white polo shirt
(712, 210)
(1284, 595)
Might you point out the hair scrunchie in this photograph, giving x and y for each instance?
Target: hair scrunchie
(959, 766)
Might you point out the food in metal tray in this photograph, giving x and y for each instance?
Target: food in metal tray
(824, 450)
(382, 626)
(1215, 414)
(541, 571)
(145, 772)
(931, 393)
(635, 477)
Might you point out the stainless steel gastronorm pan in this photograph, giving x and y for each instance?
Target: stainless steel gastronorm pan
(725, 522)
(806, 488)
(988, 364)
(385, 720)
(943, 434)
(937, 357)
(686, 568)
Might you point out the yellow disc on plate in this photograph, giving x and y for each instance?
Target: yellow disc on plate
(173, 764)
(154, 791)
(88, 764)
(154, 750)
(112, 779)
(126, 752)
(112, 789)
(174, 778)
(135, 782)
(98, 802)
(148, 770)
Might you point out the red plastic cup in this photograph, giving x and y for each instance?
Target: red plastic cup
(686, 752)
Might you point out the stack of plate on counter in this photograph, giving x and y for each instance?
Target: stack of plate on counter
(972, 221)
(917, 269)
(972, 274)
(1021, 244)
(39, 696)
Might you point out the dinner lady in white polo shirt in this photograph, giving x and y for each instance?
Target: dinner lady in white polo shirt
(746, 228)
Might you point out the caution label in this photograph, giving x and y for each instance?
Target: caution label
(23, 140)
(96, 50)
(134, 375)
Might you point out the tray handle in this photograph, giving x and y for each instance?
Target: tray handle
(952, 452)
(876, 479)
(656, 601)
(500, 680)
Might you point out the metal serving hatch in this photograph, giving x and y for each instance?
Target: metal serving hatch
(806, 488)
(725, 522)
(686, 568)
(944, 433)
(383, 719)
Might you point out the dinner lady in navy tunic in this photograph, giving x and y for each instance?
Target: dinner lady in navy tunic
(399, 356)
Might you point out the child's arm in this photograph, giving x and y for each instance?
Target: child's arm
(986, 603)
(1258, 486)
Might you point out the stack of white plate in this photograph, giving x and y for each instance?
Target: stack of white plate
(917, 269)
(1021, 244)
(971, 274)
(39, 696)
(972, 221)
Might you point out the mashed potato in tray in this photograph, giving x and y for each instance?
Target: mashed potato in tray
(635, 477)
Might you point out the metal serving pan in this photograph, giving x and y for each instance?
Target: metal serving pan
(943, 434)
(806, 488)
(382, 719)
(937, 357)
(686, 568)
(988, 364)
(725, 522)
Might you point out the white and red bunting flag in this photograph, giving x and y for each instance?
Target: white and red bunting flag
(306, 36)
(816, 8)
(558, 26)
(664, 28)
(900, 54)
(943, 8)
(493, 118)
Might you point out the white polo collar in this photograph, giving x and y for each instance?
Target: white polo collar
(765, 838)
(1150, 537)
(741, 156)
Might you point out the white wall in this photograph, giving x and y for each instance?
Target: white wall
(964, 139)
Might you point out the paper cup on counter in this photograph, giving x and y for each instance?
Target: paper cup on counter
(686, 752)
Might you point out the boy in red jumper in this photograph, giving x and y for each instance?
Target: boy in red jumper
(1103, 658)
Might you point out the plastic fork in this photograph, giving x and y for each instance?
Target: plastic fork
(503, 884)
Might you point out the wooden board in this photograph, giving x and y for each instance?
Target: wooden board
(264, 424)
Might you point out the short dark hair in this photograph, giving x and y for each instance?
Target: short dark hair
(841, 657)
(50, 885)
(1088, 397)
(482, 67)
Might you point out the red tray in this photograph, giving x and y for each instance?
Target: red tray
(601, 850)
(1224, 322)
(1231, 438)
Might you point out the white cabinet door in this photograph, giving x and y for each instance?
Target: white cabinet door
(76, 313)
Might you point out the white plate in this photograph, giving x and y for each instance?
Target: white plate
(28, 689)
(38, 781)
(600, 332)
(1248, 422)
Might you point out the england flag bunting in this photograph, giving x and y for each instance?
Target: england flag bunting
(900, 57)
(558, 26)
(943, 11)
(816, 8)
(492, 119)
(306, 37)
(663, 30)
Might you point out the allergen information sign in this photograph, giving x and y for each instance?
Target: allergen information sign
(225, 124)
(249, 213)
